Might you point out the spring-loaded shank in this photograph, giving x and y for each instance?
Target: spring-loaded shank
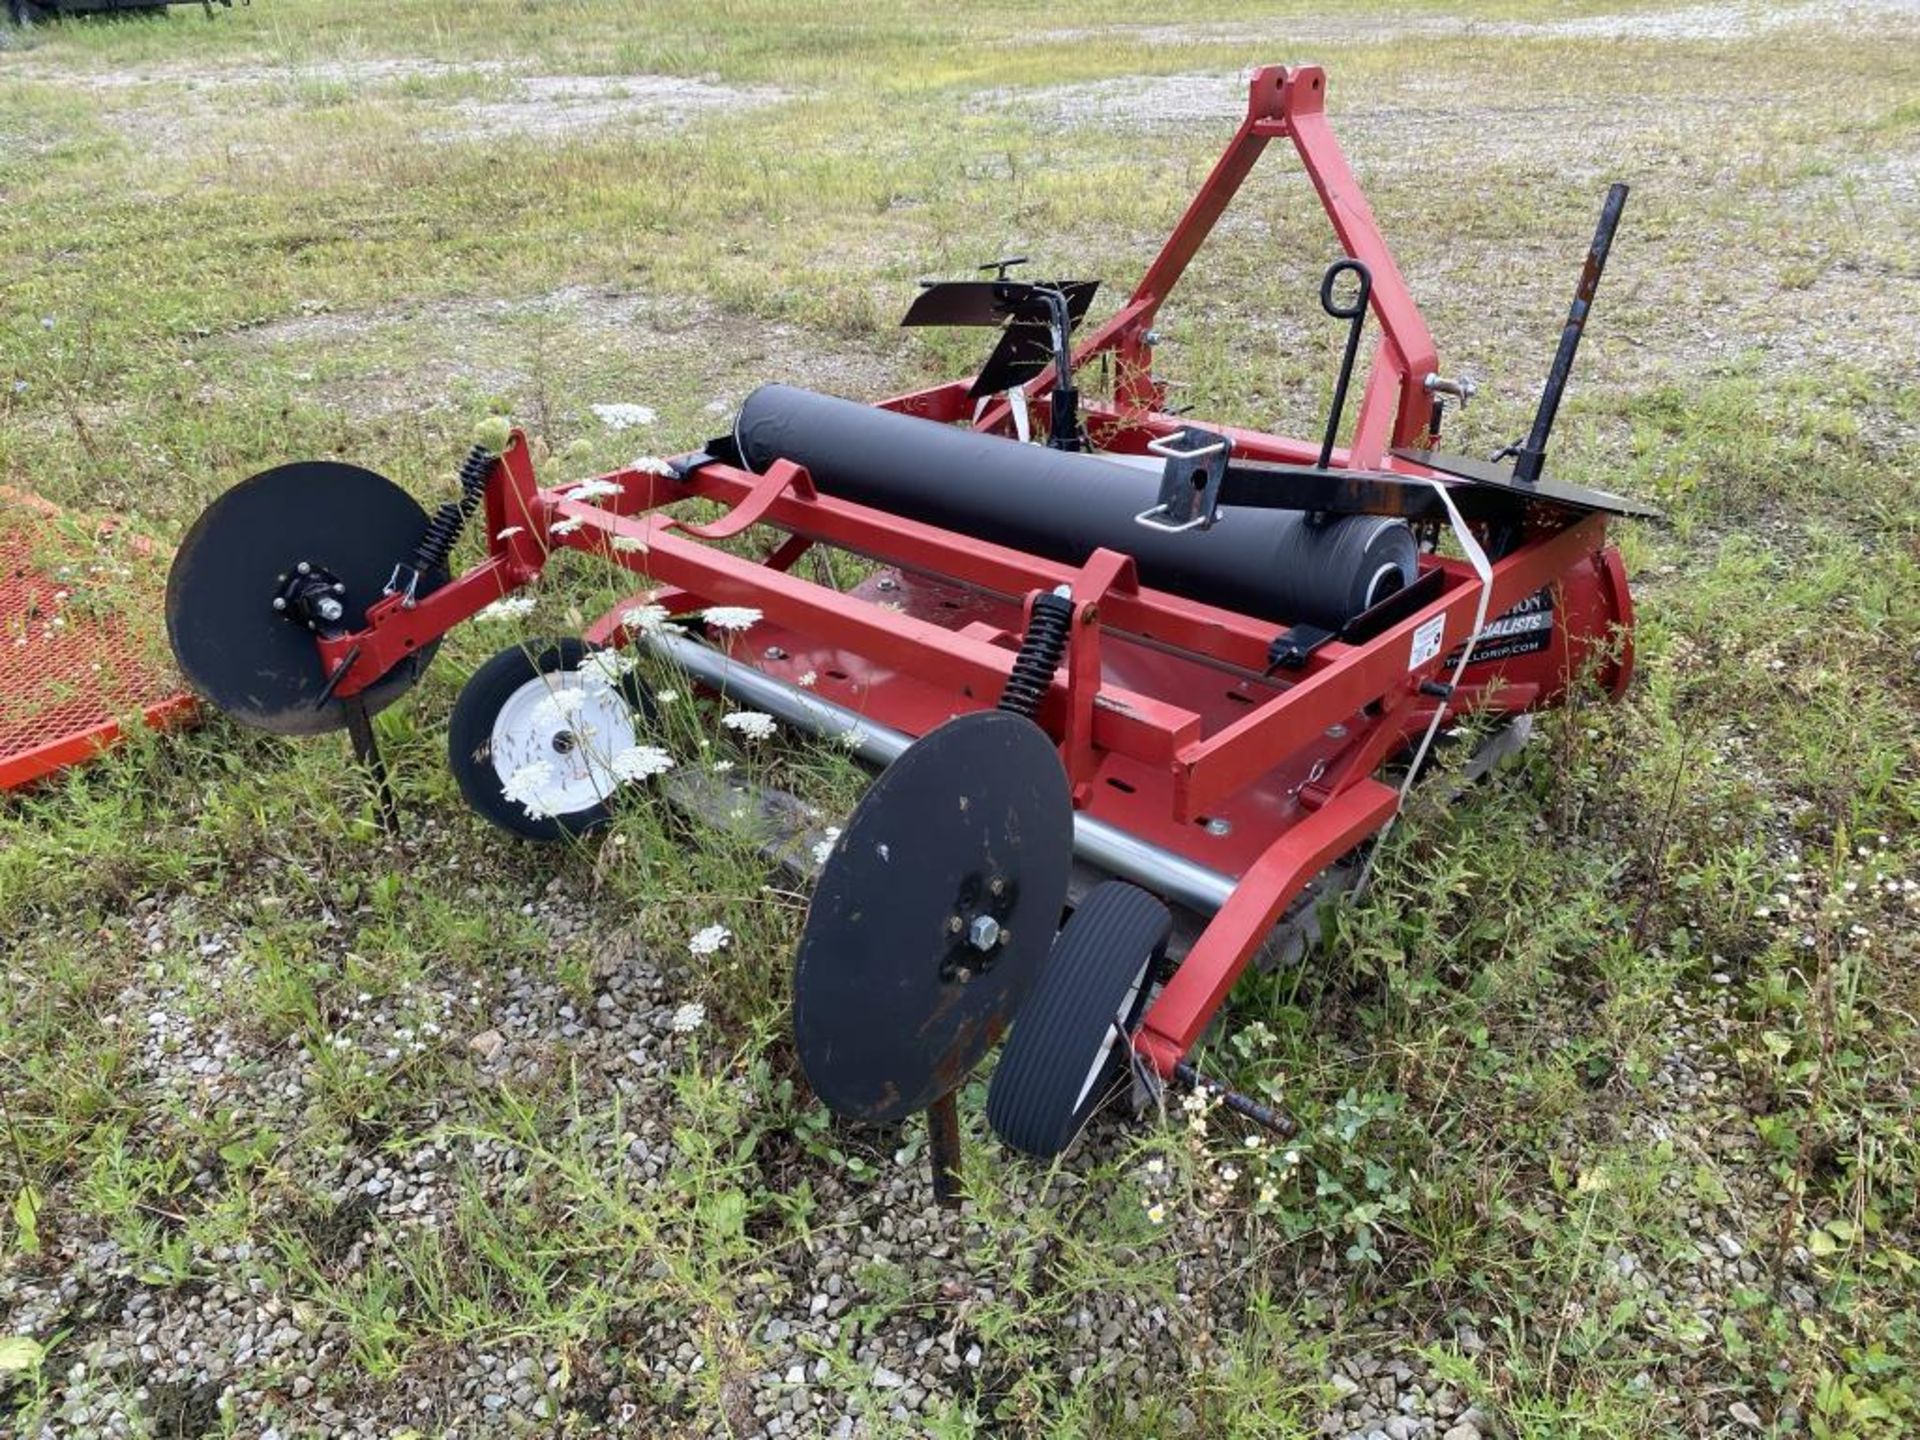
(444, 529)
(1040, 655)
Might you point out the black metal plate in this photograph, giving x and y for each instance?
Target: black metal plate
(1500, 477)
(251, 662)
(884, 1023)
(994, 302)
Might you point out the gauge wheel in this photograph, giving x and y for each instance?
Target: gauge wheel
(534, 734)
(1066, 1058)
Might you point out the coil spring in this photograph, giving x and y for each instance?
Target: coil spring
(1040, 655)
(443, 530)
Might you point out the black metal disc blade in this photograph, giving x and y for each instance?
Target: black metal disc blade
(967, 833)
(249, 660)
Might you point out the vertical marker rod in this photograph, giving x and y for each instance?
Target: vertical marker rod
(1533, 454)
(367, 751)
(943, 1150)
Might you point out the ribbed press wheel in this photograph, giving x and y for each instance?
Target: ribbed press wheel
(1066, 1058)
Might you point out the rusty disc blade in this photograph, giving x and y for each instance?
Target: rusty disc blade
(932, 916)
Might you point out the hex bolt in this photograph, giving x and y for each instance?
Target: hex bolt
(330, 609)
(304, 568)
(1219, 827)
(984, 933)
(955, 924)
(279, 602)
(996, 886)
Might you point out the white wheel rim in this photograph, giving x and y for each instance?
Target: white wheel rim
(1112, 1038)
(573, 722)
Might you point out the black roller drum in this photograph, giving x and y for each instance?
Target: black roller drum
(1274, 564)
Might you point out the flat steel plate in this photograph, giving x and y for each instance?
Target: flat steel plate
(1500, 477)
(893, 1002)
(248, 660)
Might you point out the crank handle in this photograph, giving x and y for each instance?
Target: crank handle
(1463, 389)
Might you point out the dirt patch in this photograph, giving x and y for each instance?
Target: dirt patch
(550, 106)
(169, 106)
(1709, 22)
(684, 358)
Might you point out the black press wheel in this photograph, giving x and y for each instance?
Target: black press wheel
(535, 733)
(1064, 1060)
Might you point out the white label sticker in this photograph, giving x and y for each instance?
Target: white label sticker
(1426, 641)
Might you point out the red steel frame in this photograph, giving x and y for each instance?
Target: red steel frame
(1293, 760)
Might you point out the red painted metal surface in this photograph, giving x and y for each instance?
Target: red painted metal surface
(74, 671)
(1168, 724)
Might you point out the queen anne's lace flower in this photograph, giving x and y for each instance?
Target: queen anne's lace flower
(592, 490)
(641, 762)
(624, 416)
(753, 724)
(524, 785)
(689, 1017)
(710, 941)
(508, 607)
(629, 544)
(559, 708)
(651, 465)
(565, 527)
(607, 666)
(731, 617)
(647, 619)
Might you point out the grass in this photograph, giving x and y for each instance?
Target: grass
(1654, 985)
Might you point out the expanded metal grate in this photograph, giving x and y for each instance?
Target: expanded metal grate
(82, 648)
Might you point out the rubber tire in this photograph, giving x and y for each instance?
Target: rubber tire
(1033, 1102)
(470, 737)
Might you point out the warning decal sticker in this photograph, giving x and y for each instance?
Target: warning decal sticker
(1525, 628)
(1426, 641)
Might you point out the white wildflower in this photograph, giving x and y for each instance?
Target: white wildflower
(641, 762)
(710, 941)
(807, 681)
(508, 607)
(524, 785)
(623, 416)
(665, 697)
(1157, 1213)
(689, 1017)
(607, 666)
(753, 724)
(651, 465)
(732, 617)
(1156, 1165)
(721, 767)
(565, 527)
(592, 490)
(628, 544)
(647, 619)
(560, 706)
